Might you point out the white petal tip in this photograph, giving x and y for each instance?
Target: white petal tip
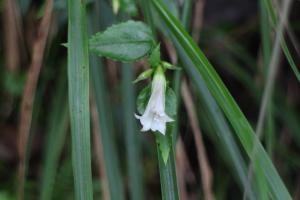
(137, 116)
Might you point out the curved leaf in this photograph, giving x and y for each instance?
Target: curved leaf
(223, 97)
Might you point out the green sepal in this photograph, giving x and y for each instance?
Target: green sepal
(144, 75)
(171, 103)
(116, 6)
(143, 98)
(167, 65)
(65, 45)
(154, 58)
(164, 144)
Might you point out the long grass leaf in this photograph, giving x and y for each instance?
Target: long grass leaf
(111, 159)
(131, 135)
(57, 129)
(218, 123)
(275, 22)
(238, 121)
(78, 80)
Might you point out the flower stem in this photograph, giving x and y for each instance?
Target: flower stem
(167, 172)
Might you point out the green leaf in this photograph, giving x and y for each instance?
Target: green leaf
(143, 98)
(14, 83)
(144, 75)
(100, 16)
(223, 97)
(78, 84)
(154, 58)
(132, 139)
(164, 144)
(275, 22)
(167, 65)
(126, 42)
(129, 7)
(171, 102)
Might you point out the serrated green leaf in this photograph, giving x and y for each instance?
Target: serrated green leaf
(143, 99)
(144, 75)
(171, 102)
(126, 42)
(154, 58)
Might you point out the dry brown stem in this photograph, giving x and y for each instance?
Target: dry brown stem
(206, 173)
(29, 93)
(98, 149)
(11, 36)
(198, 19)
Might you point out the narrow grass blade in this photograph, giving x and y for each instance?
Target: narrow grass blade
(275, 22)
(214, 117)
(224, 135)
(98, 81)
(78, 80)
(57, 129)
(131, 135)
(266, 51)
(112, 166)
(238, 121)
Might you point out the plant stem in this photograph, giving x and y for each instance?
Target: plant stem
(167, 172)
(78, 79)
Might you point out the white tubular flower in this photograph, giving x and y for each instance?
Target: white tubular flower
(154, 117)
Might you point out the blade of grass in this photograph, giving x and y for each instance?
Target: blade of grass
(272, 69)
(283, 112)
(132, 137)
(98, 81)
(266, 54)
(221, 128)
(57, 129)
(238, 121)
(275, 23)
(78, 81)
(268, 90)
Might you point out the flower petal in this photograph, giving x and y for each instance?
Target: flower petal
(167, 118)
(146, 121)
(137, 116)
(161, 127)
